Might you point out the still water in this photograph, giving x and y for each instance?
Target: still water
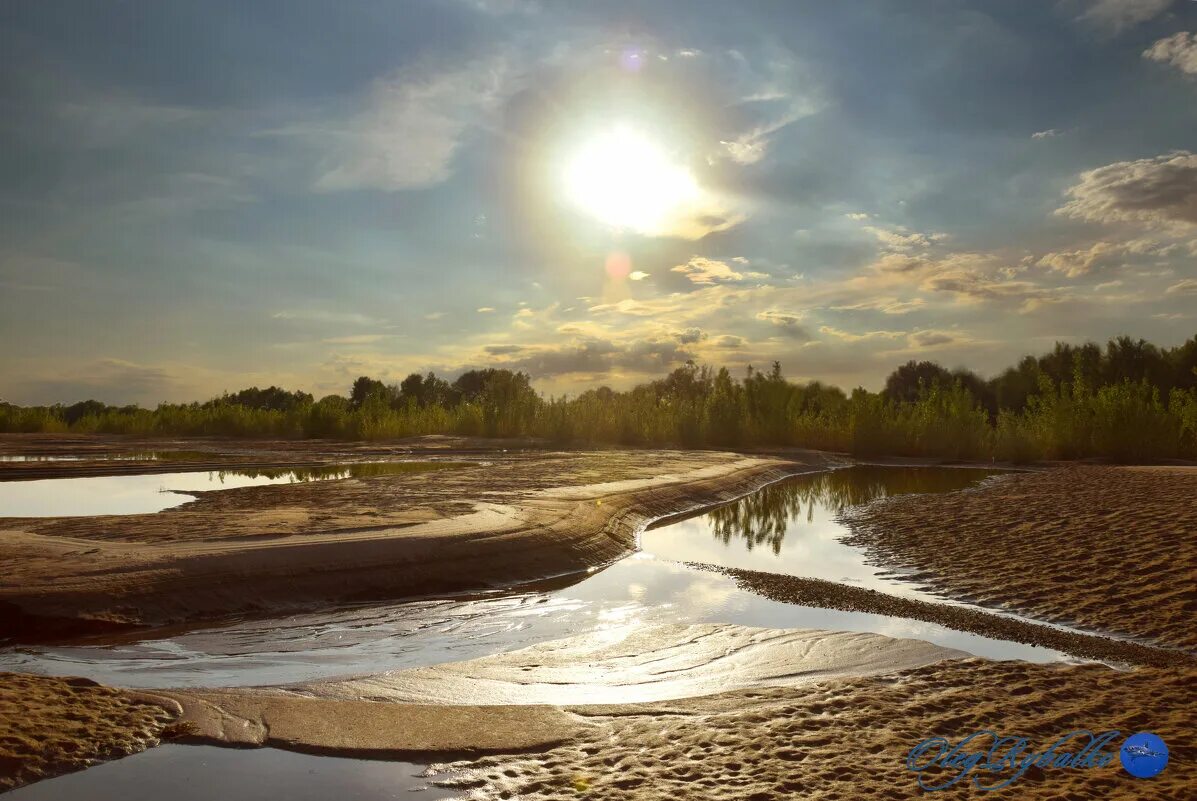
(203, 773)
(145, 494)
(789, 527)
(126, 456)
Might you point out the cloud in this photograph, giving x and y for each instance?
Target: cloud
(849, 336)
(703, 271)
(788, 322)
(1074, 263)
(885, 305)
(355, 339)
(1158, 191)
(1115, 16)
(108, 379)
(485, 309)
(751, 146)
(899, 263)
(774, 97)
(691, 336)
(412, 127)
(638, 275)
(899, 239)
(325, 316)
(1050, 133)
(1186, 287)
(1178, 50)
(1102, 255)
(593, 357)
(930, 338)
(729, 341)
(503, 350)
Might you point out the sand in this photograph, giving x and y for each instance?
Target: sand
(847, 739)
(512, 518)
(830, 595)
(1107, 548)
(50, 726)
(746, 714)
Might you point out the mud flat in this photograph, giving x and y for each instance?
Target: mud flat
(1106, 548)
(511, 518)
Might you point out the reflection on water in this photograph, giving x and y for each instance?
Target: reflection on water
(127, 456)
(202, 773)
(792, 526)
(342, 642)
(764, 518)
(650, 587)
(144, 494)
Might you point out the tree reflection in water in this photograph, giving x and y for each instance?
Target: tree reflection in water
(766, 516)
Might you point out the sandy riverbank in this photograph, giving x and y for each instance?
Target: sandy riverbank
(847, 739)
(1108, 548)
(510, 518)
(50, 726)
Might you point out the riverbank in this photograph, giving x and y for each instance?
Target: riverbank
(507, 519)
(1111, 549)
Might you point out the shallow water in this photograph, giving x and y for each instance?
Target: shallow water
(145, 494)
(794, 521)
(203, 773)
(793, 526)
(127, 456)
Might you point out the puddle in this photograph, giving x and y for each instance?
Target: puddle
(201, 773)
(144, 494)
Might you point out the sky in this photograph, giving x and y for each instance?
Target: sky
(200, 197)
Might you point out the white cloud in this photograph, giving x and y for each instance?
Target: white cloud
(900, 239)
(1050, 133)
(1115, 16)
(1159, 191)
(850, 336)
(703, 271)
(930, 338)
(1178, 50)
(1186, 287)
(412, 126)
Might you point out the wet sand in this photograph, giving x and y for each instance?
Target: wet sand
(50, 726)
(830, 595)
(847, 739)
(508, 519)
(1107, 548)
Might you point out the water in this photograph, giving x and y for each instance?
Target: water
(789, 527)
(129, 456)
(793, 526)
(146, 494)
(203, 773)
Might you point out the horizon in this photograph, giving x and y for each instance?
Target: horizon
(295, 195)
(713, 368)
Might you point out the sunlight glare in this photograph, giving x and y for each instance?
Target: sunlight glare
(625, 180)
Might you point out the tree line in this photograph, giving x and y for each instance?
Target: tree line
(1130, 400)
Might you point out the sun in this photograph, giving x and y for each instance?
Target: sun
(624, 179)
